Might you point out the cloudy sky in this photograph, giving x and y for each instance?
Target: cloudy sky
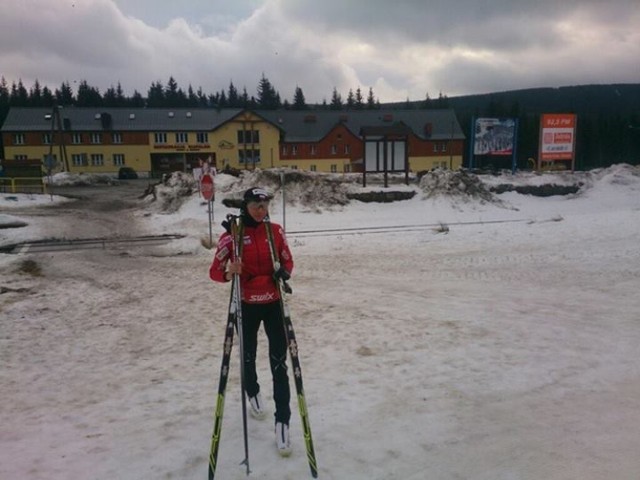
(403, 49)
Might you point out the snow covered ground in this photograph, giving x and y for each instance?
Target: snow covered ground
(495, 340)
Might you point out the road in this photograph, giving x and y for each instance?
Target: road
(96, 211)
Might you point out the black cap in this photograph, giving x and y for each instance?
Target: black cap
(256, 194)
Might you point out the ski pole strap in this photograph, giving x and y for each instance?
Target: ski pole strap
(275, 257)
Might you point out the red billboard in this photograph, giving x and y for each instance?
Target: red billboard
(557, 136)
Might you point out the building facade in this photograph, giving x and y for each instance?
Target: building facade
(157, 141)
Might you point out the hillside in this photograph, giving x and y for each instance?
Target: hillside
(621, 99)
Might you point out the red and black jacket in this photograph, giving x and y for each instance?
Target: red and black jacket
(256, 281)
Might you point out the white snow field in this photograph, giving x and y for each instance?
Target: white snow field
(495, 340)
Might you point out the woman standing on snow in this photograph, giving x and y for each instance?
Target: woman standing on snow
(260, 303)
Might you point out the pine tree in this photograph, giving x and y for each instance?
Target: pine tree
(137, 100)
(371, 100)
(114, 97)
(233, 99)
(64, 95)
(299, 102)
(351, 100)
(245, 102)
(19, 96)
(4, 93)
(35, 95)
(155, 95)
(202, 98)
(192, 98)
(121, 100)
(359, 104)
(427, 104)
(88, 96)
(47, 97)
(172, 93)
(336, 100)
(109, 97)
(268, 98)
(4, 102)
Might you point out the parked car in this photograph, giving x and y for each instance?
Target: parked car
(127, 172)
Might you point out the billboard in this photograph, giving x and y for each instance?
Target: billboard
(494, 136)
(557, 136)
(396, 159)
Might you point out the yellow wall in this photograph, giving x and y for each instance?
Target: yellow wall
(135, 156)
(322, 164)
(224, 141)
(417, 164)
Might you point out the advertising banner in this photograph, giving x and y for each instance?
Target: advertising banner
(494, 136)
(557, 136)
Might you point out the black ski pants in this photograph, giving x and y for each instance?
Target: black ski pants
(270, 315)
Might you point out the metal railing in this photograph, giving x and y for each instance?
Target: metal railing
(22, 185)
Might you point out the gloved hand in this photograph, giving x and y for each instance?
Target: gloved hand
(281, 273)
(228, 222)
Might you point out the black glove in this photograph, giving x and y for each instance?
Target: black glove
(227, 223)
(281, 273)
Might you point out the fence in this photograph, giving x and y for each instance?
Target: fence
(22, 185)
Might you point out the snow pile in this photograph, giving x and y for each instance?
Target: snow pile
(309, 189)
(619, 174)
(456, 184)
(173, 191)
(66, 179)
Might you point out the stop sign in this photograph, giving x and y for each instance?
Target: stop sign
(206, 187)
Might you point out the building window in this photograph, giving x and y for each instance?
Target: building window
(334, 168)
(248, 157)
(19, 157)
(248, 136)
(76, 138)
(160, 137)
(314, 150)
(182, 137)
(294, 167)
(347, 168)
(97, 159)
(334, 149)
(116, 137)
(439, 147)
(347, 149)
(18, 139)
(284, 150)
(46, 138)
(118, 159)
(202, 137)
(312, 168)
(294, 149)
(96, 138)
(78, 159)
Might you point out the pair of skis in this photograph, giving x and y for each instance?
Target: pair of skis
(235, 318)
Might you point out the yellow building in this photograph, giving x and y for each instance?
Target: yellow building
(157, 141)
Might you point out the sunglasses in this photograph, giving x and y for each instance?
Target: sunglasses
(263, 205)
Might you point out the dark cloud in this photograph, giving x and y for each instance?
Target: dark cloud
(402, 49)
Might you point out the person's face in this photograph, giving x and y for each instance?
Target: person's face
(258, 210)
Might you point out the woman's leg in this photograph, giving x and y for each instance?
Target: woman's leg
(274, 329)
(251, 316)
